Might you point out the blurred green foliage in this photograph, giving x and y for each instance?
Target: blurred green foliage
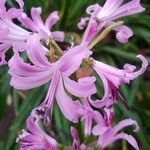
(109, 51)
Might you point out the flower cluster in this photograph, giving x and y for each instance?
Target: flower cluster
(70, 72)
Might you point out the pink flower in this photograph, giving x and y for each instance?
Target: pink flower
(117, 9)
(104, 130)
(35, 24)
(113, 77)
(123, 33)
(12, 12)
(106, 15)
(15, 36)
(34, 137)
(11, 34)
(93, 27)
(26, 76)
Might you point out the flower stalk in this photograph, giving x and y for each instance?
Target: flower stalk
(104, 33)
(57, 49)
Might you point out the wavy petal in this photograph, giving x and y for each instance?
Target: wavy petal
(37, 20)
(49, 100)
(83, 88)
(92, 9)
(2, 6)
(119, 76)
(32, 125)
(125, 123)
(110, 72)
(35, 14)
(75, 57)
(36, 52)
(21, 3)
(100, 127)
(14, 13)
(27, 22)
(35, 137)
(105, 101)
(66, 104)
(52, 19)
(129, 138)
(116, 10)
(19, 67)
(99, 130)
(132, 7)
(129, 69)
(58, 35)
(93, 26)
(123, 33)
(25, 83)
(108, 9)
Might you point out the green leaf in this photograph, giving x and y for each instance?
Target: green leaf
(33, 99)
(62, 126)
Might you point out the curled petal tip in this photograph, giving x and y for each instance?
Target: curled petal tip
(123, 33)
(83, 23)
(91, 9)
(131, 74)
(144, 60)
(21, 3)
(144, 64)
(135, 124)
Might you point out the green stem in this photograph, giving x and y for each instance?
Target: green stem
(104, 33)
(58, 50)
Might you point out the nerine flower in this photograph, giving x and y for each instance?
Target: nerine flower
(34, 137)
(13, 35)
(106, 15)
(35, 24)
(118, 8)
(26, 76)
(104, 128)
(113, 77)
(107, 134)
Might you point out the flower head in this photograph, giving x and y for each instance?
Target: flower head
(113, 77)
(118, 9)
(105, 130)
(14, 36)
(26, 76)
(34, 137)
(106, 15)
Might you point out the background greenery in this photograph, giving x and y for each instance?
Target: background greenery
(15, 106)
